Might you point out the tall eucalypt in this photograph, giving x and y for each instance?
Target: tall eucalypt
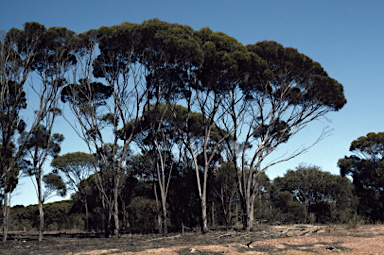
(277, 102)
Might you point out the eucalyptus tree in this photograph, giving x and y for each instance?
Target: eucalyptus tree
(224, 186)
(108, 104)
(12, 101)
(135, 61)
(366, 168)
(43, 53)
(281, 100)
(171, 58)
(38, 146)
(214, 78)
(326, 195)
(15, 68)
(197, 69)
(77, 167)
(51, 60)
(161, 143)
(156, 139)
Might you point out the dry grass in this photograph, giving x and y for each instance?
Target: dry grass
(367, 239)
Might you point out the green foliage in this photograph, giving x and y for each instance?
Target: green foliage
(321, 193)
(355, 221)
(88, 195)
(367, 171)
(76, 167)
(296, 212)
(184, 206)
(170, 122)
(174, 64)
(142, 214)
(54, 182)
(12, 102)
(312, 85)
(56, 216)
(84, 92)
(38, 144)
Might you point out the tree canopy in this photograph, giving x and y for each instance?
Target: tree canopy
(366, 168)
(198, 100)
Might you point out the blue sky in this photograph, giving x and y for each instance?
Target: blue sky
(345, 37)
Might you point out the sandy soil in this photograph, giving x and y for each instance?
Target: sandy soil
(298, 239)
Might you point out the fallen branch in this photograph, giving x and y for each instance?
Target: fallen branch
(220, 236)
(299, 230)
(166, 237)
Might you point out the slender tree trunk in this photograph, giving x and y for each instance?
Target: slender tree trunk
(213, 214)
(248, 217)
(204, 227)
(5, 217)
(106, 220)
(86, 214)
(252, 211)
(236, 212)
(229, 219)
(41, 229)
(41, 211)
(159, 221)
(116, 207)
(243, 212)
(124, 223)
(165, 223)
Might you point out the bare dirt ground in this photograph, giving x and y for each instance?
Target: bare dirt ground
(294, 239)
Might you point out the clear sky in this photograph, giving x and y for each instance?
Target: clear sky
(345, 37)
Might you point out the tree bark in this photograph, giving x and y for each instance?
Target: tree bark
(159, 221)
(236, 213)
(41, 211)
(204, 227)
(252, 211)
(86, 214)
(116, 207)
(213, 215)
(106, 220)
(5, 217)
(248, 224)
(165, 223)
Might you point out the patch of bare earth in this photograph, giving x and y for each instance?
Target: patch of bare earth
(295, 239)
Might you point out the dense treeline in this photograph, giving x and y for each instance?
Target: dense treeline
(178, 122)
(305, 194)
